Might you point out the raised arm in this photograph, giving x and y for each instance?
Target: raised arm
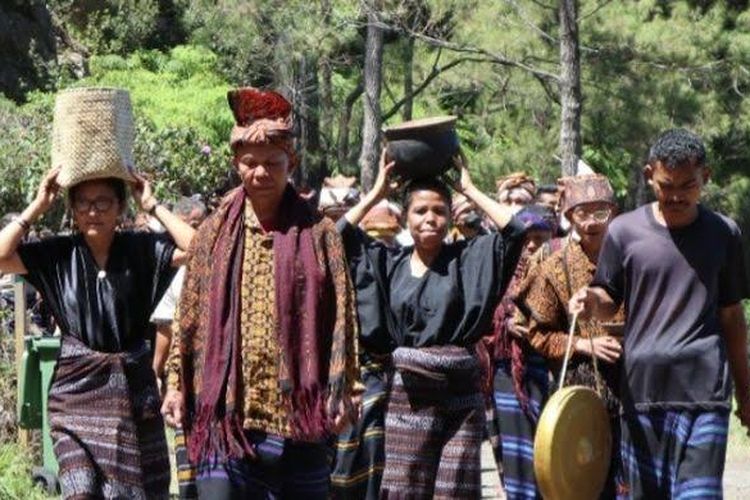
(500, 214)
(12, 234)
(379, 191)
(181, 231)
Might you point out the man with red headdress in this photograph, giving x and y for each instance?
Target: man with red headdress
(264, 365)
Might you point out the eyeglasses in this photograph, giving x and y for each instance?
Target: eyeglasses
(101, 204)
(601, 215)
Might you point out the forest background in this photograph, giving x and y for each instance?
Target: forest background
(351, 67)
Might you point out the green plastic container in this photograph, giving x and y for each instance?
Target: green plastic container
(34, 380)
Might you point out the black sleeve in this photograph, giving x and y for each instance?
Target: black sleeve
(155, 263)
(164, 247)
(44, 261)
(733, 283)
(368, 263)
(509, 252)
(610, 273)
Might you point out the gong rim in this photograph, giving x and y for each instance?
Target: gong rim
(573, 445)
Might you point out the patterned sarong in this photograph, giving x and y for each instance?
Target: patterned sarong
(434, 425)
(105, 424)
(673, 454)
(514, 450)
(360, 450)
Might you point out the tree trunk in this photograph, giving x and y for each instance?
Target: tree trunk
(344, 121)
(570, 87)
(311, 170)
(326, 92)
(368, 158)
(326, 108)
(406, 111)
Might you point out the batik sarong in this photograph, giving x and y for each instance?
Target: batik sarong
(673, 454)
(360, 449)
(516, 425)
(105, 424)
(434, 425)
(281, 469)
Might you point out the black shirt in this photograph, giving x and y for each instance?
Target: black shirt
(109, 311)
(673, 282)
(452, 303)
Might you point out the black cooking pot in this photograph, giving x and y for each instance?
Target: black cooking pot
(422, 148)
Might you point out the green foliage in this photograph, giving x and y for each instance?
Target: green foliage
(123, 26)
(24, 148)
(15, 475)
(183, 124)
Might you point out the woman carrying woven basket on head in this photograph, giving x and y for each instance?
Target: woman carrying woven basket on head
(102, 284)
(428, 305)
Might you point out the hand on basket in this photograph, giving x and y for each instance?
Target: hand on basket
(48, 190)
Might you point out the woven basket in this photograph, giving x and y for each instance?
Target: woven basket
(92, 135)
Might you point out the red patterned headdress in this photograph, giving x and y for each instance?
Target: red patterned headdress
(261, 117)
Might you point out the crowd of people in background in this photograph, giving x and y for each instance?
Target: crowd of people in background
(364, 345)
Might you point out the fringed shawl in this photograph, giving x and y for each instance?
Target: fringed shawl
(315, 321)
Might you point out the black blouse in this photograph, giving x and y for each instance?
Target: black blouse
(106, 309)
(452, 303)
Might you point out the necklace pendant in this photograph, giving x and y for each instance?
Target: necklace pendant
(101, 274)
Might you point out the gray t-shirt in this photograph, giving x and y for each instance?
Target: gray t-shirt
(673, 283)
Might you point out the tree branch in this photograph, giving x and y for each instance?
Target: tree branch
(434, 73)
(486, 55)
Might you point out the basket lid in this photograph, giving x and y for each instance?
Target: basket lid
(573, 444)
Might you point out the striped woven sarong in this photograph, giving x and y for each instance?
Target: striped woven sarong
(360, 450)
(673, 454)
(282, 469)
(434, 425)
(185, 470)
(105, 424)
(514, 450)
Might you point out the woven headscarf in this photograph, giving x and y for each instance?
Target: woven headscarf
(515, 181)
(581, 189)
(261, 117)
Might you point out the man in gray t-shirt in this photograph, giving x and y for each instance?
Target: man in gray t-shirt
(679, 269)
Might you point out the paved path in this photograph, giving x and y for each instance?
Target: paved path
(736, 476)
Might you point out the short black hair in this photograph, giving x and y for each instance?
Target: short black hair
(428, 184)
(677, 148)
(117, 185)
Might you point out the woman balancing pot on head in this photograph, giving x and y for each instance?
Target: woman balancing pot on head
(429, 304)
(102, 285)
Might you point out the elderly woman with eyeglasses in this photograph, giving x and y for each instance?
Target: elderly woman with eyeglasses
(102, 284)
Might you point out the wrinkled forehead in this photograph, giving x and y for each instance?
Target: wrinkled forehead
(261, 152)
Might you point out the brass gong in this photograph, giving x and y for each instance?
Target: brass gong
(573, 445)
